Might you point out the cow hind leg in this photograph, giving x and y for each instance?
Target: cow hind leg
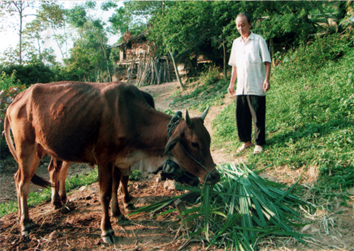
(28, 164)
(116, 213)
(17, 179)
(127, 198)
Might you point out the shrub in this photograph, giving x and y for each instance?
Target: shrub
(31, 74)
(9, 88)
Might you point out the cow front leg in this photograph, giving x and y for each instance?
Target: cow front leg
(105, 172)
(61, 180)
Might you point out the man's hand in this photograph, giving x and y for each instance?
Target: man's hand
(231, 89)
(266, 86)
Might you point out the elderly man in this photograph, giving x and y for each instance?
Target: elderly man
(250, 61)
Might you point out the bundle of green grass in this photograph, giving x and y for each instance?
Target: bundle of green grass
(239, 210)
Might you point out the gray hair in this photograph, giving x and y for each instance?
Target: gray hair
(248, 16)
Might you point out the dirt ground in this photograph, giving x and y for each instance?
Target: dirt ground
(79, 229)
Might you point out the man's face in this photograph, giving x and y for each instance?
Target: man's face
(243, 26)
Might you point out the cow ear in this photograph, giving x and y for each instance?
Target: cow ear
(170, 145)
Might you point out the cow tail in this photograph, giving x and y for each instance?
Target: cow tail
(39, 181)
(8, 138)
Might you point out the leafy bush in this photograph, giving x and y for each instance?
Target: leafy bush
(31, 74)
(9, 88)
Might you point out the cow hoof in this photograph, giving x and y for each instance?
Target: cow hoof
(27, 226)
(109, 238)
(128, 199)
(24, 236)
(129, 206)
(122, 220)
(67, 207)
(25, 233)
(57, 206)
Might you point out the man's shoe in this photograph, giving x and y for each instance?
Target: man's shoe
(258, 149)
(243, 148)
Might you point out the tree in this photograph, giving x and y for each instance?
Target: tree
(52, 15)
(47, 15)
(89, 58)
(19, 8)
(194, 28)
(133, 16)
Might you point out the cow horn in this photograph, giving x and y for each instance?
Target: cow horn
(204, 114)
(188, 119)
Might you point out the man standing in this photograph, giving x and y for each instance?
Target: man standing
(250, 61)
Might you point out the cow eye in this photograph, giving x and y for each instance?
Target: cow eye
(195, 145)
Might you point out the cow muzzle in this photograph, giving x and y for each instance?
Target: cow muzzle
(172, 170)
(212, 177)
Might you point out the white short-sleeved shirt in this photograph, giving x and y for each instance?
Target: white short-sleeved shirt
(249, 59)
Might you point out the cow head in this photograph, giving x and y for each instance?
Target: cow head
(190, 146)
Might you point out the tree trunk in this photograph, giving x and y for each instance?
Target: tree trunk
(224, 58)
(176, 70)
(168, 70)
(271, 45)
(21, 36)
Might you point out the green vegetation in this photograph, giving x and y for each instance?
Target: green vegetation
(10, 86)
(239, 210)
(310, 113)
(210, 89)
(30, 74)
(135, 175)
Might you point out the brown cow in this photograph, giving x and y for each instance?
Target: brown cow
(58, 171)
(108, 124)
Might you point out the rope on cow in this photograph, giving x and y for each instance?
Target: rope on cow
(173, 123)
(169, 166)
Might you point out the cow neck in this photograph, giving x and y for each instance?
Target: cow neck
(155, 130)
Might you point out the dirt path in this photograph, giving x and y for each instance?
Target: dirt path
(79, 229)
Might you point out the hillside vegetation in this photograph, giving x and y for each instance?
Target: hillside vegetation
(310, 112)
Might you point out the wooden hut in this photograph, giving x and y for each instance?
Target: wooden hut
(137, 61)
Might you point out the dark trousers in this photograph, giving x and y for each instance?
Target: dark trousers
(250, 107)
